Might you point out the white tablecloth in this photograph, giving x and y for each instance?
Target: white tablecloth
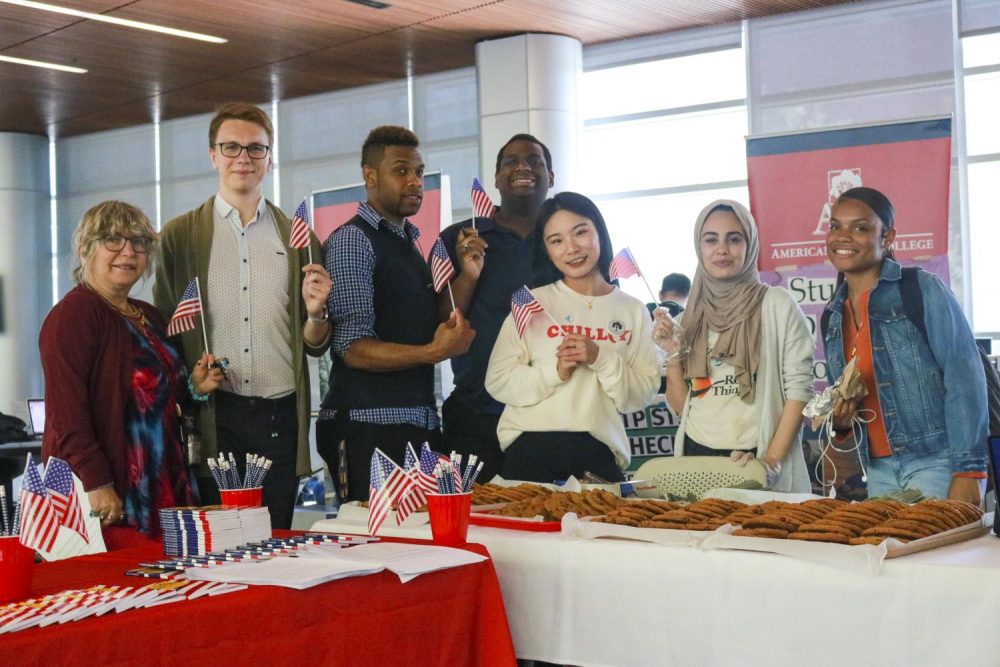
(616, 602)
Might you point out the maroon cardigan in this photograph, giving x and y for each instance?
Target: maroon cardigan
(86, 351)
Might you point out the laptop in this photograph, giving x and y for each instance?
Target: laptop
(36, 417)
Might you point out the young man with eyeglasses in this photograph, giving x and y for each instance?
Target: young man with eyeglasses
(264, 309)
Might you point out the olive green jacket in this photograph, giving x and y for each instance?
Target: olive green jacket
(186, 250)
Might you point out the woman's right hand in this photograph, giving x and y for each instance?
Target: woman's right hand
(205, 376)
(844, 411)
(105, 503)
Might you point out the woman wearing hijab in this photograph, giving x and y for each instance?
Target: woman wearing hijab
(926, 412)
(741, 389)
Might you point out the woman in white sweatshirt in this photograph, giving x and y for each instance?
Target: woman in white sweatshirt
(564, 385)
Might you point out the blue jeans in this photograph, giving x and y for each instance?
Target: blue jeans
(930, 474)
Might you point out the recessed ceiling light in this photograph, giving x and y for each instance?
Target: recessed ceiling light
(374, 4)
(90, 16)
(41, 63)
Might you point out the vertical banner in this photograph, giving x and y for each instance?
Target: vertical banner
(795, 179)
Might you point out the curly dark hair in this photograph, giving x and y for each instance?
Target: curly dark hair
(373, 150)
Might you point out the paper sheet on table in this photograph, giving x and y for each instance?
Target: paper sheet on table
(284, 571)
(354, 513)
(408, 561)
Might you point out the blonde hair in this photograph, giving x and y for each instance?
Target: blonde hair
(111, 218)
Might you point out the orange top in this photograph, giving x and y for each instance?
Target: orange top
(858, 344)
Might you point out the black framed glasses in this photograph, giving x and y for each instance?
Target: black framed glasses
(140, 244)
(233, 149)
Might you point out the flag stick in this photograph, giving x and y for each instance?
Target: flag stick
(451, 296)
(310, 247)
(655, 300)
(201, 310)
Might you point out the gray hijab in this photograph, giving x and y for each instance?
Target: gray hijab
(728, 306)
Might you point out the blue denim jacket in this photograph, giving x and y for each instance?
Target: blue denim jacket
(933, 398)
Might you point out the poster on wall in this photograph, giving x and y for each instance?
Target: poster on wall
(794, 180)
(333, 207)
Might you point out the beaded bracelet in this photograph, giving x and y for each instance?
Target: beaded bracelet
(194, 394)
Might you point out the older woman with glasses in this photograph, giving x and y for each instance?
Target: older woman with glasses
(113, 382)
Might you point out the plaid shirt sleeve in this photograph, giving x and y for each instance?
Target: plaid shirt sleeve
(350, 261)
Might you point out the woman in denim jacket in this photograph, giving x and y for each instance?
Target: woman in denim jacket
(926, 412)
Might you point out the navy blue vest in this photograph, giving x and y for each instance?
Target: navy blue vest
(405, 312)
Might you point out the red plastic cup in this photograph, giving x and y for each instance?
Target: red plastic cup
(16, 566)
(241, 497)
(449, 514)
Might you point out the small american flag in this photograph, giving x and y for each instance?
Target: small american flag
(624, 265)
(442, 269)
(387, 484)
(62, 494)
(412, 499)
(524, 305)
(39, 525)
(428, 460)
(190, 305)
(300, 227)
(482, 207)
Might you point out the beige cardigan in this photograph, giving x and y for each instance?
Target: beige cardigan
(187, 247)
(785, 372)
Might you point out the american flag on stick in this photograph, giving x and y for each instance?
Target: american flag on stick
(300, 227)
(624, 265)
(62, 493)
(189, 306)
(386, 486)
(482, 207)
(442, 270)
(39, 524)
(524, 306)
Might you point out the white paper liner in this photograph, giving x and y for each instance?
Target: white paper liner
(862, 559)
(587, 528)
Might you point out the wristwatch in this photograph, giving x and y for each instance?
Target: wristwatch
(320, 320)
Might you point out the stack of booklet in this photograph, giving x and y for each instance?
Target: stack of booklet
(200, 530)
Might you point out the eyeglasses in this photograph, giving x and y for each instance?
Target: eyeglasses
(140, 244)
(233, 149)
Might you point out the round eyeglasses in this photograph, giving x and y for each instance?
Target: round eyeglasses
(140, 244)
(233, 149)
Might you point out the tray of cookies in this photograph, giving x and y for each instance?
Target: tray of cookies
(544, 511)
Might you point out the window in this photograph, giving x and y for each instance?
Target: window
(981, 78)
(661, 140)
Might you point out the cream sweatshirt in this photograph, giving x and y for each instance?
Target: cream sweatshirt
(522, 371)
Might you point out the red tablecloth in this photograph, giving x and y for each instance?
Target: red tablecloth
(453, 617)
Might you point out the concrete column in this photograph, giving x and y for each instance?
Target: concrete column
(530, 83)
(26, 291)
